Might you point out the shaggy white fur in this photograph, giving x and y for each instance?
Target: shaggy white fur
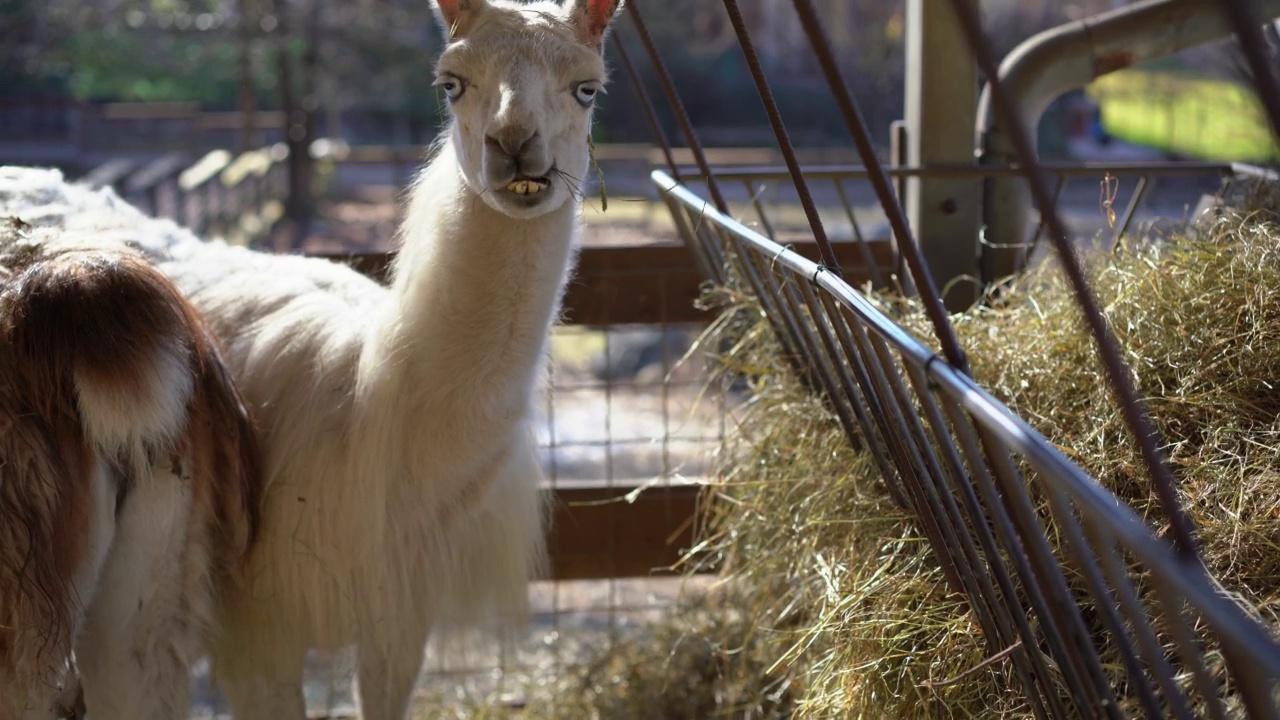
(402, 493)
(129, 484)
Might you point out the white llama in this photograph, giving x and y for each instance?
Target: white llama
(128, 484)
(402, 478)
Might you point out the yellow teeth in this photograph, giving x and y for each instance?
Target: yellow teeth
(527, 187)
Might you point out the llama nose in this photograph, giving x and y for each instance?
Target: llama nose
(511, 141)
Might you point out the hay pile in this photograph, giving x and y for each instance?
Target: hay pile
(857, 609)
(840, 608)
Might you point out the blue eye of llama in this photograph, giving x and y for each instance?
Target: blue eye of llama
(585, 92)
(451, 86)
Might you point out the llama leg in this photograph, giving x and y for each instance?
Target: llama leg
(387, 669)
(141, 629)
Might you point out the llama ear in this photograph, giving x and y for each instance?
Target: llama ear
(591, 19)
(457, 16)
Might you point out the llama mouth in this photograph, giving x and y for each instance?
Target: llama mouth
(526, 186)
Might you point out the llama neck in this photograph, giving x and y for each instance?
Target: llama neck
(476, 293)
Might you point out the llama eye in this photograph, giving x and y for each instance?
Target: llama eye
(451, 85)
(585, 92)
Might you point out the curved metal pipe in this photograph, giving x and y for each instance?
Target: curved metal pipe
(1067, 57)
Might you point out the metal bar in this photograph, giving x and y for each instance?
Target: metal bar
(1148, 643)
(1057, 193)
(906, 454)
(1139, 191)
(770, 294)
(682, 115)
(1244, 22)
(1006, 603)
(845, 397)
(1005, 530)
(1189, 647)
(924, 282)
(985, 599)
(876, 279)
(1065, 631)
(834, 374)
(1077, 547)
(1070, 169)
(864, 405)
(780, 132)
(1133, 409)
(650, 114)
(691, 137)
(760, 213)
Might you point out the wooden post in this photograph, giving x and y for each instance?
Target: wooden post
(941, 104)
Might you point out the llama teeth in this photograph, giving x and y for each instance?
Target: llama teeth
(527, 187)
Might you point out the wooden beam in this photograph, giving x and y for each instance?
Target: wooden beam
(641, 284)
(608, 532)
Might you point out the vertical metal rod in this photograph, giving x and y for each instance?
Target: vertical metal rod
(677, 105)
(754, 281)
(1010, 609)
(650, 113)
(1134, 411)
(784, 142)
(906, 454)
(1087, 561)
(845, 397)
(1148, 643)
(1139, 190)
(876, 279)
(786, 324)
(880, 181)
(759, 206)
(1005, 529)
(864, 406)
(1057, 193)
(982, 595)
(875, 410)
(830, 369)
(1065, 631)
(1249, 33)
(1188, 646)
(710, 266)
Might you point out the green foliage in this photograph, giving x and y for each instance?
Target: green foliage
(1199, 117)
(126, 65)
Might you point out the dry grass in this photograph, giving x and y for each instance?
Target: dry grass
(834, 605)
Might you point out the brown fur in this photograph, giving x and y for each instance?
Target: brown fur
(70, 313)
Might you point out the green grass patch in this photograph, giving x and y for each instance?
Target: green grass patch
(1198, 117)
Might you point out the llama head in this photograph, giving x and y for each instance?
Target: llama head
(521, 81)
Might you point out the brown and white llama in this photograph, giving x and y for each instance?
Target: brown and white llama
(402, 477)
(129, 483)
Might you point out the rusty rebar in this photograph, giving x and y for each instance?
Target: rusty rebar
(1133, 410)
(1249, 34)
(784, 141)
(883, 186)
(650, 114)
(677, 105)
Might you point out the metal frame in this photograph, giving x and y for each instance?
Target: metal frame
(965, 466)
